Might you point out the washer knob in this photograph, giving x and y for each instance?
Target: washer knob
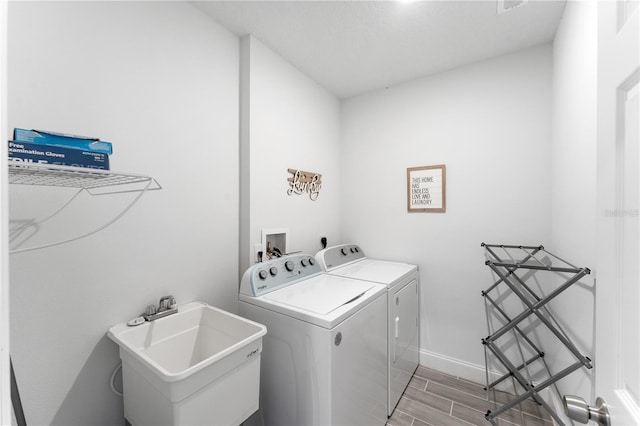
(312, 261)
(353, 250)
(262, 274)
(343, 251)
(273, 271)
(288, 265)
(303, 262)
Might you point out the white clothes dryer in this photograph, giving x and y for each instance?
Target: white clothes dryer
(325, 351)
(403, 308)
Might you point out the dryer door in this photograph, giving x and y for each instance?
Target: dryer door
(403, 340)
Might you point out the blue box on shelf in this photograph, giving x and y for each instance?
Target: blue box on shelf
(51, 154)
(43, 137)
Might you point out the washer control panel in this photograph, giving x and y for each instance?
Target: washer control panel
(336, 256)
(268, 276)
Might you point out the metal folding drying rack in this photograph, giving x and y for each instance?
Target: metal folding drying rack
(506, 269)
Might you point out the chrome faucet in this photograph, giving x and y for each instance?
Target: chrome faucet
(166, 306)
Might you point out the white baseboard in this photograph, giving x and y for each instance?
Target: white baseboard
(454, 367)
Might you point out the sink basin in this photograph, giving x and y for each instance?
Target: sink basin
(198, 366)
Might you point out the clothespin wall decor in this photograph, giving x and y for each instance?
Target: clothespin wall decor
(304, 182)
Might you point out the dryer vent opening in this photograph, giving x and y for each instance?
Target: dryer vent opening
(507, 5)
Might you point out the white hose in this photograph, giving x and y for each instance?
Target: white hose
(111, 381)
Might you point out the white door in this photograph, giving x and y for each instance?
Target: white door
(403, 340)
(617, 357)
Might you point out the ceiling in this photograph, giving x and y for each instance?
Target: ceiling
(353, 47)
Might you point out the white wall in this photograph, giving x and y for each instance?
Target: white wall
(489, 123)
(5, 392)
(290, 122)
(160, 81)
(573, 160)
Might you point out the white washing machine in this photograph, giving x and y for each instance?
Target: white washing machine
(402, 283)
(325, 352)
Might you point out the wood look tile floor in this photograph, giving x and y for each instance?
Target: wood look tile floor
(437, 399)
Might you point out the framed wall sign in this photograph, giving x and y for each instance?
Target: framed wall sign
(426, 189)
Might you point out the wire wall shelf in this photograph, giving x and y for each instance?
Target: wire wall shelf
(21, 173)
(84, 180)
(510, 343)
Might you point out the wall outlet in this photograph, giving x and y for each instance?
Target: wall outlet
(257, 248)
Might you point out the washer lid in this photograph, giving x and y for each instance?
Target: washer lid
(320, 295)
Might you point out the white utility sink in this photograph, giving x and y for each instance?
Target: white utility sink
(200, 365)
